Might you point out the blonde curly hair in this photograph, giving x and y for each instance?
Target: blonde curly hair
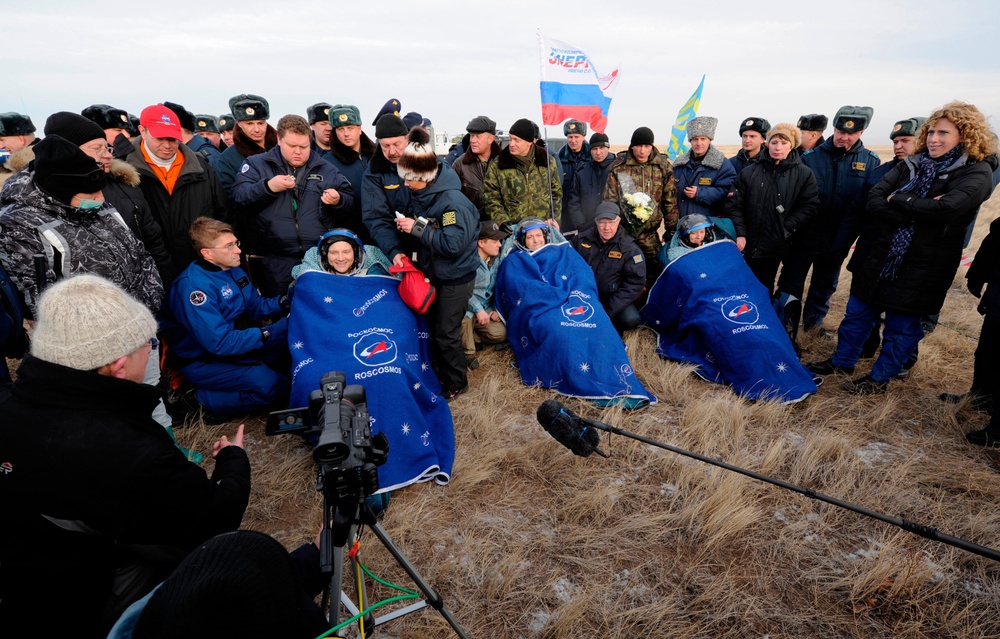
(972, 126)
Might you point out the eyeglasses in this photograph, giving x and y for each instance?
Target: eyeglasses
(232, 246)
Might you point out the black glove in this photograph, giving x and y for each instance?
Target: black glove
(976, 287)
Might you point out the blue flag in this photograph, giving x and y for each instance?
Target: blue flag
(558, 330)
(359, 325)
(678, 134)
(709, 309)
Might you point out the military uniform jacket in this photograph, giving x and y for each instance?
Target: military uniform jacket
(205, 149)
(205, 303)
(514, 190)
(842, 180)
(353, 165)
(618, 264)
(655, 178)
(714, 176)
(383, 194)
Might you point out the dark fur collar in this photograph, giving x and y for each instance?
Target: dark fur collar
(506, 161)
(379, 164)
(346, 155)
(248, 147)
(471, 158)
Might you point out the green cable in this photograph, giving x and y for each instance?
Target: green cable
(409, 595)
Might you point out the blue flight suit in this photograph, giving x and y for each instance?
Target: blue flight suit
(233, 370)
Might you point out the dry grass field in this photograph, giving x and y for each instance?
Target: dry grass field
(529, 541)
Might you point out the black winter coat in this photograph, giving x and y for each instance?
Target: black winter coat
(929, 265)
(197, 193)
(291, 222)
(585, 193)
(985, 271)
(383, 195)
(759, 191)
(82, 448)
(618, 265)
(123, 193)
(448, 243)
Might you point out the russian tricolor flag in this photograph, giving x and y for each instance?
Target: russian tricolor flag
(572, 87)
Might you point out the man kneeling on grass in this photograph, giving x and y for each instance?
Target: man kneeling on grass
(220, 331)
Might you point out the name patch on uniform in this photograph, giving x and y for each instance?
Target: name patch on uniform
(244, 168)
(858, 166)
(637, 258)
(615, 255)
(449, 218)
(390, 186)
(315, 176)
(704, 181)
(198, 298)
(243, 282)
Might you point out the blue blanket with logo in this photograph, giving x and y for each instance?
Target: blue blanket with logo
(558, 330)
(709, 309)
(359, 325)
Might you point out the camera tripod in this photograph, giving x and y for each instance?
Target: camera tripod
(347, 519)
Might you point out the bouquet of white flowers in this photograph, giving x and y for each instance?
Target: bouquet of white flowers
(639, 206)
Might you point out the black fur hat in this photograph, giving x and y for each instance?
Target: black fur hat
(813, 122)
(760, 125)
(418, 162)
(133, 125)
(319, 112)
(227, 121)
(206, 123)
(15, 124)
(247, 106)
(185, 117)
(106, 116)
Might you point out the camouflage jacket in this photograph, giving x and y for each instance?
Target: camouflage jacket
(514, 190)
(655, 178)
(73, 241)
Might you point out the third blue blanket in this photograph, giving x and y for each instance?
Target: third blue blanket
(709, 309)
(360, 326)
(558, 330)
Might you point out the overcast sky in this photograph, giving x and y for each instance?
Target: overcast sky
(451, 61)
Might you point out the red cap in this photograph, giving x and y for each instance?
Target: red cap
(161, 122)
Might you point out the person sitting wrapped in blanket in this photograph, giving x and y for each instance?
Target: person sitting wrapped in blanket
(358, 323)
(558, 330)
(341, 252)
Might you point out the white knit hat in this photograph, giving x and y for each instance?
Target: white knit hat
(85, 322)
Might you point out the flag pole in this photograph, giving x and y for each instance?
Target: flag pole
(545, 130)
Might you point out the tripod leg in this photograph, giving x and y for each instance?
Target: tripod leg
(433, 598)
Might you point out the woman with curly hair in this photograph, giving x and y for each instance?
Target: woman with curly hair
(910, 251)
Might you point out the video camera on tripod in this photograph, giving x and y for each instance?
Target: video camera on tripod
(345, 450)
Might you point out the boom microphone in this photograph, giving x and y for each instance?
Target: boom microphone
(569, 429)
